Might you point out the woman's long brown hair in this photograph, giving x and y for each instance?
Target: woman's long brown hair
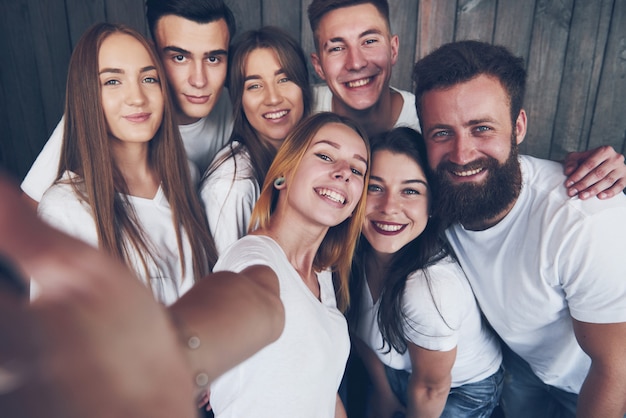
(86, 152)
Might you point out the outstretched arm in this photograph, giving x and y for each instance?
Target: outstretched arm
(102, 346)
(603, 393)
(599, 172)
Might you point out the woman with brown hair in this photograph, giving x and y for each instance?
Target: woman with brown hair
(124, 183)
(269, 86)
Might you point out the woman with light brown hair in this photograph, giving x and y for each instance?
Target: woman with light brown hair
(124, 183)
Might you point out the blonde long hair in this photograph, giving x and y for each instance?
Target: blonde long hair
(338, 246)
(86, 152)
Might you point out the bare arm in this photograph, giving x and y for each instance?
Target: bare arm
(430, 381)
(603, 393)
(599, 172)
(95, 316)
(384, 401)
(245, 314)
(340, 411)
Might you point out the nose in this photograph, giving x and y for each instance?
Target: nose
(272, 95)
(388, 203)
(198, 77)
(462, 151)
(135, 96)
(355, 60)
(342, 171)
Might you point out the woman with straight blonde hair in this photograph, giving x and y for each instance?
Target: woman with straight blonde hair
(124, 182)
(304, 228)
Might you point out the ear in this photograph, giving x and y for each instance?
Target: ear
(520, 126)
(317, 65)
(395, 47)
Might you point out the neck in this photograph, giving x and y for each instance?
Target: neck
(381, 117)
(132, 161)
(299, 244)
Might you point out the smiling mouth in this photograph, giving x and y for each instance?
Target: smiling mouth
(388, 227)
(359, 83)
(468, 173)
(332, 195)
(275, 115)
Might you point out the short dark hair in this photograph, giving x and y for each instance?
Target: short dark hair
(458, 62)
(319, 8)
(199, 11)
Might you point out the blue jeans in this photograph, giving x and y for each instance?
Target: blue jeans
(472, 400)
(525, 395)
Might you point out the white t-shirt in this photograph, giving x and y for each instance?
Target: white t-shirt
(442, 314)
(323, 102)
(202, 140)
(62, 208)
(298, 375)
(229, 195)
(550, 259)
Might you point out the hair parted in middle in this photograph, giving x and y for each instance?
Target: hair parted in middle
(292, 60)
(338, 245)
(86, 151)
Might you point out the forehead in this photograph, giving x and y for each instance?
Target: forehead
(389, 165)
(120, 50)
(172, 30)
(477, 99)
(261, 60)
(340, 136)
(351, 21)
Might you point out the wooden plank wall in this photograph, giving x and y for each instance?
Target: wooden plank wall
(575, 52)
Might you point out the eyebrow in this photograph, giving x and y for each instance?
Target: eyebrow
(361, 35)
(336, 145)
(410, 181)
(120, 71)
(258, 77)
(182, 51)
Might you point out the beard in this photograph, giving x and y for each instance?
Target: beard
(471, 203)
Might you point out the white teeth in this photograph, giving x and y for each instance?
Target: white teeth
(388, 227)
(275, 115)
(358, 83)
(467, 173)
(332, 195)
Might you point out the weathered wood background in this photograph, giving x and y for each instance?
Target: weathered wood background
(575, 52)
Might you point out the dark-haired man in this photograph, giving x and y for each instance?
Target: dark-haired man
(546, 269)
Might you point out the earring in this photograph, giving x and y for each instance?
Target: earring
(279, 182)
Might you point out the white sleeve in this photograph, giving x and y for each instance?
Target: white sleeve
(228, 204)
(61, 208)
(43, 172)
(434, 305)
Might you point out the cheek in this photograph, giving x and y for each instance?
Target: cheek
(249, 105)
(108, 107)
(298, 101)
